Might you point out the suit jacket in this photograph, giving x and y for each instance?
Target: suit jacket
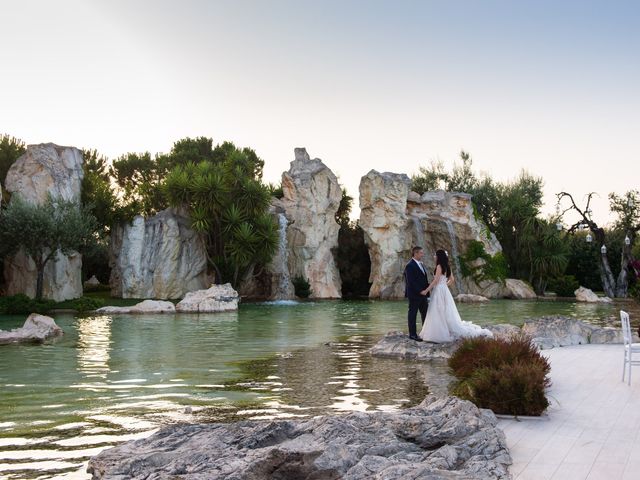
(415, 280)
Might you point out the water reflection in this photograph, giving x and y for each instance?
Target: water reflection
(94, 345)
(111, 378)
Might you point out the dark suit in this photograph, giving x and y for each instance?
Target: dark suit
(415, 281)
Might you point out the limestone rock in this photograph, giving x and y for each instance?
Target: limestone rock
(470, 298)
(146, 306)
(584, 294)
(504, 330)
(43, 170)
(559, 331)
(395, 219)
(398, 345)
(157, 257)
(439, 439)
(218, 298)
(274, 281)
(46, 169)
(92, 282)
(383, 218)
(311, 199)
(447, 220)
(36, 329)
(519, 290)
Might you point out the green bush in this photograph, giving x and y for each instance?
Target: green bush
(301, 286)
(21, 304)
(86, 304)
(507, 376)
(490, 268)
(564, 286)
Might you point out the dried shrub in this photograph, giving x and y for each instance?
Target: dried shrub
(509, 376)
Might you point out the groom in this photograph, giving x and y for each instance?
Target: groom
(416, 283)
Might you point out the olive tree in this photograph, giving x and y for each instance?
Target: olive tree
(42, 231)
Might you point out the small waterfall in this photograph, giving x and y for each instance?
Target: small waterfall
(283, 288)
(455, 254)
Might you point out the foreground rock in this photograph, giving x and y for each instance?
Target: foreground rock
(397, 344)
(146, 306)
(157, 257)
(44, 170)
(444, 438)
(584, 294)
(218, 298)
(559, 331)
(36, 329)
(470, 298)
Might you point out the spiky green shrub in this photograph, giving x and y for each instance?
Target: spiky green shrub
(222, 190)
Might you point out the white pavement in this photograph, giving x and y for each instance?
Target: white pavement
(593, 428)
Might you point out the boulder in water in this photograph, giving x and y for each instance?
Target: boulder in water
(398, 345)
(146, 306)
(470, 298)
(519, 290)
(217, 298)
(584, 294)
(36, 329)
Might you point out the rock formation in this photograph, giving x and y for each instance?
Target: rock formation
(446, 220)
(36, 329)
(311, 199)
(274, 281)
(584, 294)
(470, 298)
(518, 290)
(397, 344)
(559, 331)
(545, 332)
(146, 306)
(217, 298)
(394, 219)
(43, 170)
(384, 220)
(158, 257)
(440, 438)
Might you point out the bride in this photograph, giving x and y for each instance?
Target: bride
(443, 322)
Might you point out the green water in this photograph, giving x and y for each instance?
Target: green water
(115, 378)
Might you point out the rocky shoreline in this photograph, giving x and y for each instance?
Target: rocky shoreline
(442, 438)
(545, 332)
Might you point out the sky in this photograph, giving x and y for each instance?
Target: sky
(546, 86)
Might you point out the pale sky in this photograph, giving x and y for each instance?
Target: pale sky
(548, 86)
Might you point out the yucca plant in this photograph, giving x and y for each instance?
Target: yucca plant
(228, 203)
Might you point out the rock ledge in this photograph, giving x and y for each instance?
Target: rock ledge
(441, 438)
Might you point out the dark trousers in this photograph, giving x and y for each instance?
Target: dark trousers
(416, 304)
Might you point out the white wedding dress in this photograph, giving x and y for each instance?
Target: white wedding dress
(443, 322)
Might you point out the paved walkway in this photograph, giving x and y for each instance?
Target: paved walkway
(593, 428)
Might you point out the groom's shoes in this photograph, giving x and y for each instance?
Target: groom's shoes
(415, 337)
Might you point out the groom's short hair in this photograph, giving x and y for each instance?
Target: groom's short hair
(415, 250)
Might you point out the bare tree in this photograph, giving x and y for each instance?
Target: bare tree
(586, 221)
(627, 207)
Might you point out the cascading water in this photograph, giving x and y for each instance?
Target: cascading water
(282, 279)
(454, 254)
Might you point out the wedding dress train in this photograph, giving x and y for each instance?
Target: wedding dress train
(443, 322)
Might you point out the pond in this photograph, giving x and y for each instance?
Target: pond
(116, 378)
